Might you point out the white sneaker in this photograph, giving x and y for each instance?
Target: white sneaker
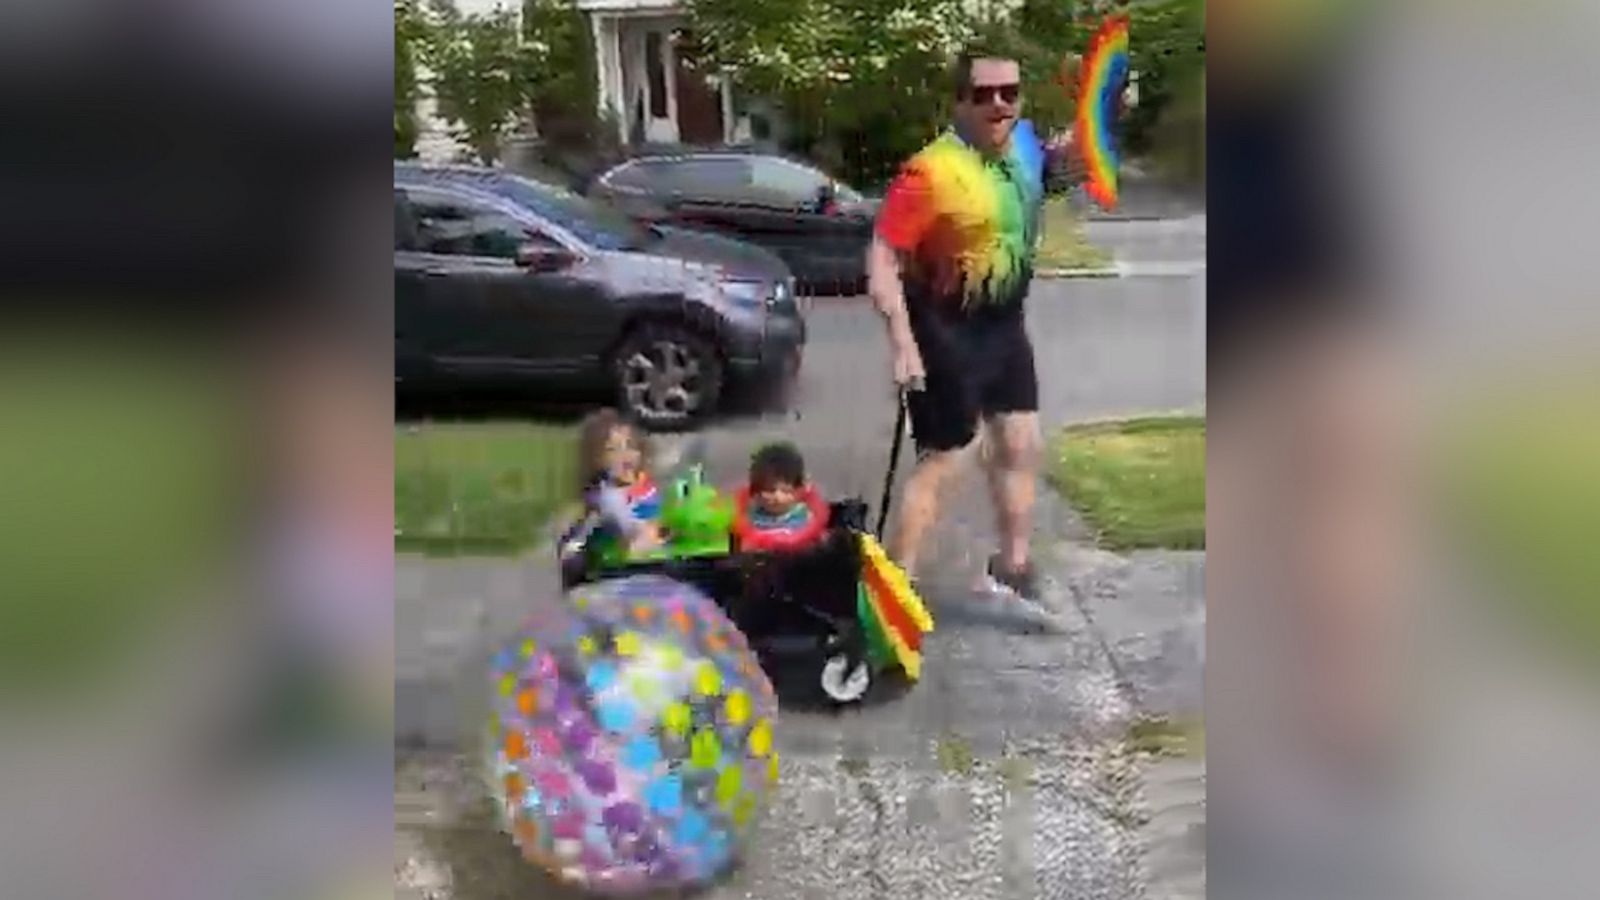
(1019, 595)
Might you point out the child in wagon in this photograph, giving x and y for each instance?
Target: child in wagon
(778, 508)
(619, 496)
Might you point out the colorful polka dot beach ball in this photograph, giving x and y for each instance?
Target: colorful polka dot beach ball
(631, 739)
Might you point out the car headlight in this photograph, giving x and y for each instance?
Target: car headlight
(745, 293)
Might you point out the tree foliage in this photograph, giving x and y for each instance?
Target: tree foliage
(482, 73)
(488, 71)
(1166, 43)
(865, 82)
(566, 97)
(861, 81)
(410, 36)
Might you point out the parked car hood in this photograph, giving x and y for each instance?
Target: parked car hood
(738, 258)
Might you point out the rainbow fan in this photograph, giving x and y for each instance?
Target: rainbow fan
(1104, 75)
(891, 611)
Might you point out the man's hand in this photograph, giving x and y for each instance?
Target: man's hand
(888, 295)
(1061, 145)
(907, 359)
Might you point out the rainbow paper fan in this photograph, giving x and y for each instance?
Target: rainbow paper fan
(1100, 86)
(893, 614)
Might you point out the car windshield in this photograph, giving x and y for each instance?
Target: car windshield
(591, 222)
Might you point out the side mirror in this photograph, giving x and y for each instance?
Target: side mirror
(544, 258)
(827, 197)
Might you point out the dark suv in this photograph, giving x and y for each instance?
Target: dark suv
(500, 280)
(818, 225)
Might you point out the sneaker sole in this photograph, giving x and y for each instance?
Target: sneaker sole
(1032, 610)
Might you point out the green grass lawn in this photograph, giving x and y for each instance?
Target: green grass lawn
(1062, 244)
(1525, 496)
(1139, 484)
(480, 488)
(1168, 737)
(120, 481)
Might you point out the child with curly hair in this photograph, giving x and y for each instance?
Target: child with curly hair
(619, 496)
(778, 508)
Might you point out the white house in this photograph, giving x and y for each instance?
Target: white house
(647, 80)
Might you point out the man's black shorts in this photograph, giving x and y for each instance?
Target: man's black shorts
(976, 368)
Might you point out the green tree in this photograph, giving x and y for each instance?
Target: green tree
(576, 136)
(1167, 46)
(483, 74)
(410, 40)
(865, 82)
(858, 80)
(564, 100)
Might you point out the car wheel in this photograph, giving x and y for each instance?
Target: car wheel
(668, 377)
(841, 682)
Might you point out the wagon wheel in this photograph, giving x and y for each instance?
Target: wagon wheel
(844, 682)
(846, 674)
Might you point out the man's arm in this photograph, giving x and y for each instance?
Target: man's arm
(886, 288)
(904, 221)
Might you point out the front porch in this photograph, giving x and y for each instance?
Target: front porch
(649, 81)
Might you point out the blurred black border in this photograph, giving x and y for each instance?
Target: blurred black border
(1287, 253)
(150, 174)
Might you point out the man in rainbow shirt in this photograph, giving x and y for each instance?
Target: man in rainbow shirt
(949, 267)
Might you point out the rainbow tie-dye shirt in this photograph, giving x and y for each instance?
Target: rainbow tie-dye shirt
(968, 224)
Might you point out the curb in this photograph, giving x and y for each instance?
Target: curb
(1194, 269)
(1102, 272)
(1112, 271)
(1115, 270)
(1197, 412)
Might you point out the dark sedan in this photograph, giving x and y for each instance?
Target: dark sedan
(501, 281)
(819, 226)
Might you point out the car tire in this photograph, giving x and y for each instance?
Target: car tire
(667, 376)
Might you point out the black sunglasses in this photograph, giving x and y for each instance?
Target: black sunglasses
(983, 94)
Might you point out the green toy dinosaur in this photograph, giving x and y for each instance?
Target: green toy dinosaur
(696, 519)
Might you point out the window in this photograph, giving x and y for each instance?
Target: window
(693, 177)
(638, 176)
(783, 183)
(590, 222)
(713, 177)
(456, 226)
(655, 66)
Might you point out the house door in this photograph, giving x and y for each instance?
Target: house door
(699, 102)
(660, 116)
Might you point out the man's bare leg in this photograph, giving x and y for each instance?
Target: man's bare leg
(1014, 452)
(920, 506)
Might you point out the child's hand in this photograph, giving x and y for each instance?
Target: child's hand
(647, 538)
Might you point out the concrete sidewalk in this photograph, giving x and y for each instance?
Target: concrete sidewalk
(1006, 773)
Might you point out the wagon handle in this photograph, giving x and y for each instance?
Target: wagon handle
(894, 461)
